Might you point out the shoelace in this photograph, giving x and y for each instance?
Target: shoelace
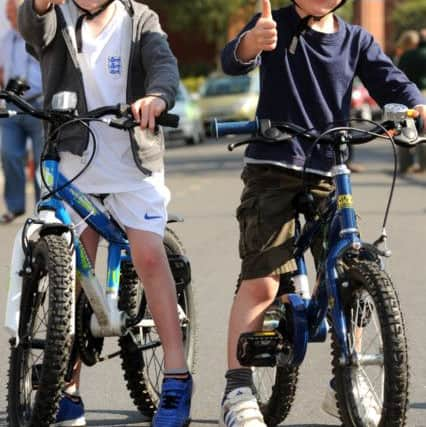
(170, 400)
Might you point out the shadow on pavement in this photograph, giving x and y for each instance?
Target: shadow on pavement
(418, 405)
(116, 418)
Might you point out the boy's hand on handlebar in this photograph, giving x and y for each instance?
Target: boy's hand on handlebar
(145, 110)
(422, 113)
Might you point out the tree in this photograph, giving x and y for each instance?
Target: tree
(409, 15)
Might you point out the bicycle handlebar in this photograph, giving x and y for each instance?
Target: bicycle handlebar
(283, 131)
(123, 120)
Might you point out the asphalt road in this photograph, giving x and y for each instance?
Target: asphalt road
(205, 185)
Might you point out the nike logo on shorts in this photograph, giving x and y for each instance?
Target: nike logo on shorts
(149, 217)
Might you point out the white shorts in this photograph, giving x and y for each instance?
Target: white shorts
(142, 209)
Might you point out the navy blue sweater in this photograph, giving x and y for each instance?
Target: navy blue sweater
(312, 87)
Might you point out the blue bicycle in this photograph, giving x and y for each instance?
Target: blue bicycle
(49, 328)
(354, 297)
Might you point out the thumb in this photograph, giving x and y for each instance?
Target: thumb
(266, 9)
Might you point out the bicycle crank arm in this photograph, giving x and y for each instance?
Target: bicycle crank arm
(134, 348)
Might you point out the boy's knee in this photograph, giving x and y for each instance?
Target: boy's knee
(260, 289)
(149, 257)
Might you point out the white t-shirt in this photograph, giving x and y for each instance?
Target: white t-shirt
(113, 168)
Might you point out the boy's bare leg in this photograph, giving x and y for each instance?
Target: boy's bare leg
(150, 260)
(252, 299)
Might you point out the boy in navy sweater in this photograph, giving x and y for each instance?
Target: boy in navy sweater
(308, 59)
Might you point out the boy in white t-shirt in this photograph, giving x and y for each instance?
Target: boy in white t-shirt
(123, 56)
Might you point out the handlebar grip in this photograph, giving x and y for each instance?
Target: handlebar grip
(420, 124)
(168, 120)
(233, 128)
(165, 119)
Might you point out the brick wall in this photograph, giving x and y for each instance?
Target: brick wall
(375, 16)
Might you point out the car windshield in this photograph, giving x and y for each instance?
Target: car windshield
(227, 86)
(181, 94)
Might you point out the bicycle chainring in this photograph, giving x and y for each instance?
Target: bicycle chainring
(89, 347)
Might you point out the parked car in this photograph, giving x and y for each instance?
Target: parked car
(190, 129)
(363, 106)
(229, 97)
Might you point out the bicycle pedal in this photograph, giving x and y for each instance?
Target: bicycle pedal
(259, 348)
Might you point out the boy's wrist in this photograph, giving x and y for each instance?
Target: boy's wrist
(245, 51)
(161, 96)
(41, 7)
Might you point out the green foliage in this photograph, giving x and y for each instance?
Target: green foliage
(347, 11)
(210, 16)
(409, 15)
(193, 84)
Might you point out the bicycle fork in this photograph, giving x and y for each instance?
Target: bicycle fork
(344, 236)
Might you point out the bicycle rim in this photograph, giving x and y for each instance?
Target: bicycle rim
(374, 389)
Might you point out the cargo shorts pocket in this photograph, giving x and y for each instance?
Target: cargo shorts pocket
(276, 220)
(248, 218)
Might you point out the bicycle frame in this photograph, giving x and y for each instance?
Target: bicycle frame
(343, 234)
(108, 320)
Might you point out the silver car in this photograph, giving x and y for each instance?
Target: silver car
(190, 129)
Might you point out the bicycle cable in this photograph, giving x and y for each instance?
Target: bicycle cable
(381, 136)
(55, 133)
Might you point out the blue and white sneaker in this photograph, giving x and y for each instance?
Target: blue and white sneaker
(70, 413)
(240, 409)
(175, 403)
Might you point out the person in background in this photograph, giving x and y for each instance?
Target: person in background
(413, 63)
(16, 63)
(407, 40)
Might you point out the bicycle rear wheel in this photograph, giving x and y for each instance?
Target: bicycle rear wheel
(373, 390)
(143, 370)
(37, 365)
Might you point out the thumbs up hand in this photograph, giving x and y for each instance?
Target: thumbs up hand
(264, 35)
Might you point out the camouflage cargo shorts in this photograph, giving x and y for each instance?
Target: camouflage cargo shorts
(266, 218)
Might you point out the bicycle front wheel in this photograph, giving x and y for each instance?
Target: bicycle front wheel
(373, 390)
(38, 364)
(143, 370)
(275, 391)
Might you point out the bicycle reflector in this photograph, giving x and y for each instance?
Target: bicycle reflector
(64, 101)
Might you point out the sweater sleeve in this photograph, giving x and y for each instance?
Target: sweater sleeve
(385, 82)
(231, 64)
(37, 30)
(162, 74)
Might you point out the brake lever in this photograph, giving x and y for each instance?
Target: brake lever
(408, 136)
(234, 145)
